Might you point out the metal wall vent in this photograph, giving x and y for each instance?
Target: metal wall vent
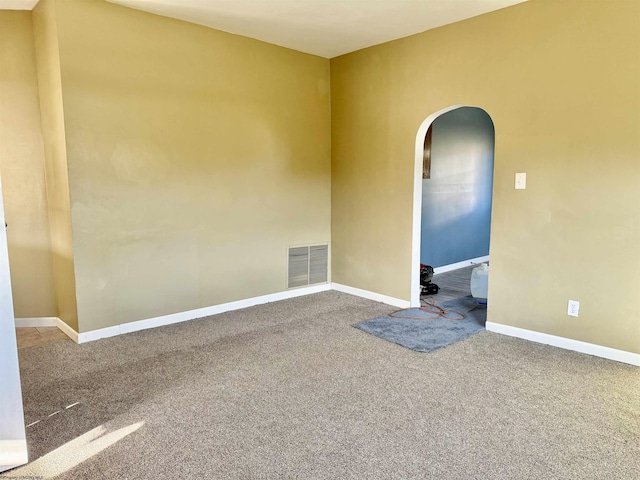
(308, 265)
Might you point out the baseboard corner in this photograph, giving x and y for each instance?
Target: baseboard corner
(67, 330)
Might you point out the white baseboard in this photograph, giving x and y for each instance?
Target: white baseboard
(197, 313)
(68, 331)
(458, 265)
(37, 322)
(566, 343)
(179, 317)
(560, 342)
(377, 297)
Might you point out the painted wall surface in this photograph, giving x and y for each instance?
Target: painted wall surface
(195, 157)
(22, 170)
(56, 174)
(456, 200)
(561, 81)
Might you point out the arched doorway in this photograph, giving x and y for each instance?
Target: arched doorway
(452, 193)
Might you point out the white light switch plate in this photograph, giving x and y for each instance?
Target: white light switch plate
(521, 181)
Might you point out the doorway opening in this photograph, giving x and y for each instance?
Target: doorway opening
(453, 186)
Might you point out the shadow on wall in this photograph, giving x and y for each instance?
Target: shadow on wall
(31, 280)
(456, 199)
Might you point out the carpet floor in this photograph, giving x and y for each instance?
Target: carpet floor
(291, 390)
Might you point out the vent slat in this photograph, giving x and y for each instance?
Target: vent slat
(298, 267)
(318, 263)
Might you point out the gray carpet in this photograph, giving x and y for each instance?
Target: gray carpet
(428, 331)
(291, 390)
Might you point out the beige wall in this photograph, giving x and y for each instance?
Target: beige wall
(53, 130)
(195, 157)
(22, 170)
(561, 81)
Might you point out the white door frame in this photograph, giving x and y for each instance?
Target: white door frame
(13, 440)
(417, 200)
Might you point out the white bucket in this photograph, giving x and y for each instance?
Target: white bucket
(480, 281)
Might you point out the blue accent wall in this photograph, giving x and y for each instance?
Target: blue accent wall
(456, 200)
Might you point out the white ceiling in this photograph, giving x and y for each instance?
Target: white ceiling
(17, 4)
(322, 27)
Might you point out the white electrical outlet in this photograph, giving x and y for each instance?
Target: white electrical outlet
(574, 308)
(521, 181)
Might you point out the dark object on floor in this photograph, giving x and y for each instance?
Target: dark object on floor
(430, 289)
(426, 274)
(429, 334)
(426, 287)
